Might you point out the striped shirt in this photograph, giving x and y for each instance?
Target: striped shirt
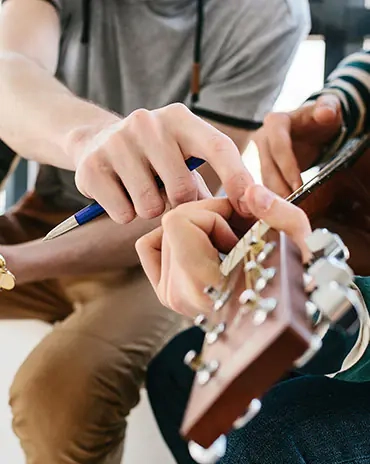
(350, 82)
(348, 357)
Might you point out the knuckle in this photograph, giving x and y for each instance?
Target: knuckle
(152, 211)
(185, 190)
(276, 120)
(171, 219)
(149, 203)
(177, 108)
(93, 163)
(220, 143)
(124, 216)
(140, 117)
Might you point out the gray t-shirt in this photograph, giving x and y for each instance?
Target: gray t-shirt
(139, 54)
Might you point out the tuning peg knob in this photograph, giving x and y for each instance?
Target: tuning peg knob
(212, 332)
(252, 411)
(332, 300)
(330, 269)
(265, 307)
(202, 322)
(248, 297)
(266, 275)
(266, 251)
(204, 370)
(324, 243)
(213, 335)
(219, 298)
(209, 455)
(311, 309)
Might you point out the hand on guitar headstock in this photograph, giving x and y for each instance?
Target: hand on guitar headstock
(7, 279)
(269, 314)
(259, 308)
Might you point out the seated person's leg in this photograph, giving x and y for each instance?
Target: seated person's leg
(71, 397)
(304, 419)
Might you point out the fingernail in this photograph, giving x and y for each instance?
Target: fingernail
(263, 198)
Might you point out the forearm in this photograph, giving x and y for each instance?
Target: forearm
(38, 114)
(350, 82)
(99, 246)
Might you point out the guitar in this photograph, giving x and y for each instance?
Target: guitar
(270, 312)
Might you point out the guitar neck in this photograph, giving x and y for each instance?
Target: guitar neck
(346, 157)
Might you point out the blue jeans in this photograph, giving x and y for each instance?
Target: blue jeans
(305, 419)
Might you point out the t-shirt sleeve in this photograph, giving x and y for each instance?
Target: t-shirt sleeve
(253, 61)
(56, 3)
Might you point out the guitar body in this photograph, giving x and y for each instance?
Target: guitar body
(342, 204)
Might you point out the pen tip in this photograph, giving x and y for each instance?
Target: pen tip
(61, 229)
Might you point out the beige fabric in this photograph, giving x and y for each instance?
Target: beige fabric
(71, 396)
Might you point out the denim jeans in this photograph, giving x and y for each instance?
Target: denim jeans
(305, 419)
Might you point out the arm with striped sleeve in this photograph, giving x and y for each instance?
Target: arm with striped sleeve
(350, 82)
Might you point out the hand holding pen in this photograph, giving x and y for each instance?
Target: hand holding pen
(119, 166)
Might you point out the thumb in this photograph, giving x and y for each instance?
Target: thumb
(280, 215)
(327, 110)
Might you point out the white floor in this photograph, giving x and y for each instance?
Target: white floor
(17, 338)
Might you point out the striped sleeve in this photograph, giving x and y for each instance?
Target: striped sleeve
(350, 81)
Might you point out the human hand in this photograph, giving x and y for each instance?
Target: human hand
(181, 257)
(289, 143)
(131, 151)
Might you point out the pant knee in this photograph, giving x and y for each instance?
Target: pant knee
(70, 400)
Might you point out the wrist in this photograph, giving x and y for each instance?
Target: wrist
(19, 265)
(90, 121)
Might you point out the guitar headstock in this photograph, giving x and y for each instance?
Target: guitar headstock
(268, 314)
(7, 279)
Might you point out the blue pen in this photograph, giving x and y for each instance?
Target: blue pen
(94, 210)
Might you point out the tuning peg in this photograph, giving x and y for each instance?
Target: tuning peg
(248, 297)
(266, 275)
(204, 370)
(252, 411)
(315, 346)
(324, 243)
(212, 332)
(330, 269)
(194, 361)
(332, 300)
(266, 251)
(311, 309)
(265, 307)
(213, 335)
(209, 455)
(219, 298)
(308, 282)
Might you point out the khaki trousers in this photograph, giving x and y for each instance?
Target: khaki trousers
(71, 397)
